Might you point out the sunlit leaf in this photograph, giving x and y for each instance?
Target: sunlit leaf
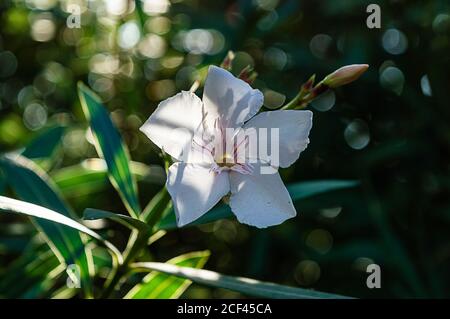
(298, 191)
(158, 206)
(156, 236)
(20, 207)
(109, 146)
(158, 285)
(64, 293)
(246, 286)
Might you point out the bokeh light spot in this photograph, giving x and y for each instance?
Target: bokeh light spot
(8, 64)
(273, 99)
(266, 4)
(43, 28)
(159, 25)
(425, 85)
(320, 240)
(441, 23)
(35, 116)
(160, 90)
(307, 272)
(392, 78)
(320, 44)
(361, 263)
(155, 7)
(129, 35)
(325, 101)
(357, 134)
(275, 58)
(152, 46)
(394, 41)
(331, 212)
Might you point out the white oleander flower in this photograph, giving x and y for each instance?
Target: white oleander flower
(192, 131)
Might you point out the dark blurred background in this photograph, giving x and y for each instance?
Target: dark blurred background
(390, 130)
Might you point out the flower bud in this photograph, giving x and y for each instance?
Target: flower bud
(307, 86)
(228, 61)
(248, 75)
(345, 75)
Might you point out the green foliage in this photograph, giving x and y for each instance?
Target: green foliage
(130, 222)
(158, 285)
(91, 176)
(373, 185)
(32, 185)
(45, 144)
(299, 191)
(30, 270)
(246, 286)
(110, 147)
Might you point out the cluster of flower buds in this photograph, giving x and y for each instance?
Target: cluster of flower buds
(247, 74)
(308, 90)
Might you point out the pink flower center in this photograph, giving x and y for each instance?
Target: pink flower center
(226, 152)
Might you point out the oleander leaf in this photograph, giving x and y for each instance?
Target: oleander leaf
(31, 184)
(298, 191)
(158, 285)
(45, 144)
(246, 286)
(111, 148)
(130, 222)
(91, 176)
(25, 208)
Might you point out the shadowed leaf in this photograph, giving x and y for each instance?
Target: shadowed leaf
(298, 191)
(44, 144)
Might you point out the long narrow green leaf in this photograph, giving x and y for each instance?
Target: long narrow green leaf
(109, 146)
(298, 191)
(44, 144)
(130, 222)
(91, 176)
(245, 286)
(158, 285)
(20, 207)
(32, 184)
(303, 190)
(31, 268)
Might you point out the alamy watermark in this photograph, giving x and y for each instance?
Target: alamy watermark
(232, 149)
(73, 21)
(373, 21)
(374, 279)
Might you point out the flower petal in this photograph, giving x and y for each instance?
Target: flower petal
(260, 200)
(195, 189)
(229, 98)
(294, 127)
(173, 123)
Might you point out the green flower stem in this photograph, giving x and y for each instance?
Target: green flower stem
(118, 272)
(138, 240)
(305, 96)
(295, 101)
